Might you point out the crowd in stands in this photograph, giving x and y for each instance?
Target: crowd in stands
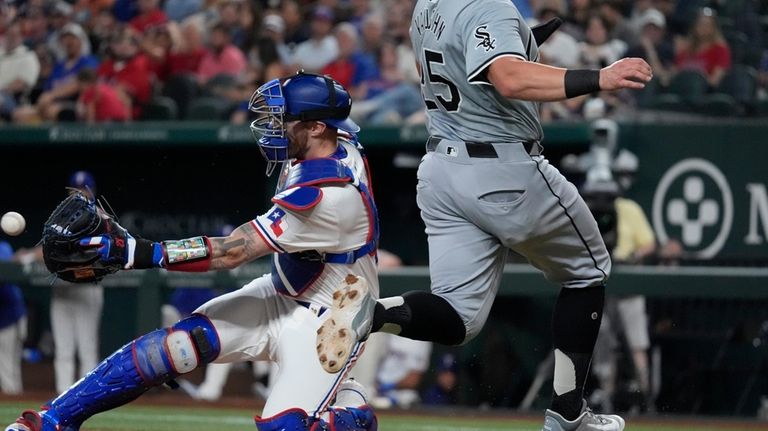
(123, 60)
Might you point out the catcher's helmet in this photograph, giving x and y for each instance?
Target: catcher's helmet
(302, 97)
(82, 180)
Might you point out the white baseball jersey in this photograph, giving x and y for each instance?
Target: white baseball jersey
(257, 322)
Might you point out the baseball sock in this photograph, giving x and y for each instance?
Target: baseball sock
(575, 324)
(415, 315)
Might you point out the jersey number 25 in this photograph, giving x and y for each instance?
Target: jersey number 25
(452, 103)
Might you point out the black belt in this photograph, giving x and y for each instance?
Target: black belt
(479, 150)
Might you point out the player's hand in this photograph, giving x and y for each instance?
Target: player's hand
(112, 248)
(625, 73)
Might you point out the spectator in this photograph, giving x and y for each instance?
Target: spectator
(222, 57)
(61, 86)
(125, 10)
(274, 28)
(19, 69)
(186, 52)
(61, 13)
(613, 14)
(150, 15)
(390, 98)
(705, 49)
(561, 49)
(443, 392)
(654, 46)
(359, 10)
(128, 70)
(230, 12)
(13, 331)
(599, 50)
(87, 9)
(579, 12)
(373, 33)
(321, 48)
(295, 31)
(352, 67)
(102, 25)
(34, 24)
(99, 102)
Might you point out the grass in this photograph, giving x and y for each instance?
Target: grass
(194, 418)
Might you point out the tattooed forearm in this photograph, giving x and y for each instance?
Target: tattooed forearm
(242, 245)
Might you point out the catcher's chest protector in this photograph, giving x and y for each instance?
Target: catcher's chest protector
(294, 273)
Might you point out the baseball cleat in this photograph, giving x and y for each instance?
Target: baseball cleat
(350, 321)
(587, 421)
(351, 393)
(28, 421)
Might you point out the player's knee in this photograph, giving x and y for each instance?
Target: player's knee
(166, 353)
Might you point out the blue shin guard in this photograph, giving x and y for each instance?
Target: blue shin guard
(149, 361)
(339, 419)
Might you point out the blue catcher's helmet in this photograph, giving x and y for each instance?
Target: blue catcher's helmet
(302, 97)
(83, 180)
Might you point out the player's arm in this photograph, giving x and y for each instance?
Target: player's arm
(516, 78)
(196, 254)
(243, 245)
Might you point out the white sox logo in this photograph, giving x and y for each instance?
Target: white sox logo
(694, 201)
(485, 38)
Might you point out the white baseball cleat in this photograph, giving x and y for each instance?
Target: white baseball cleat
(351, 393)
(587, 421)
(350, 321)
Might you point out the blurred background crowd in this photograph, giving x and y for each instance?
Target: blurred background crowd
(123, 60)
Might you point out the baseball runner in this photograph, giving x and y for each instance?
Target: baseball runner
(322, 229)
(484, 187)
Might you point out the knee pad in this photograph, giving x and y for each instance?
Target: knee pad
(166, 353)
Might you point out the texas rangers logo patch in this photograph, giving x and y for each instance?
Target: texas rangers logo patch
(486, 40)
(276, 216)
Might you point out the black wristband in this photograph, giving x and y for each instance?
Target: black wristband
(142, 256)
(581, 81)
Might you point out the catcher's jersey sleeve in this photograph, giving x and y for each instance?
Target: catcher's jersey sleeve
(335, 224)
(492, 29)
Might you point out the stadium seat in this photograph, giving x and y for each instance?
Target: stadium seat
(689, 85)
(182, 89)
(160, 108)
(719, 105)
(208, 109)
(741, 83)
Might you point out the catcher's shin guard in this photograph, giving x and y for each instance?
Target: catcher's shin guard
(339, 419)
(150, 360)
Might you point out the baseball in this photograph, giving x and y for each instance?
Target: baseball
(13, 223)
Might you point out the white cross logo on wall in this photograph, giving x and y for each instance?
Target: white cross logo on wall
(705, 214)
(683, 202)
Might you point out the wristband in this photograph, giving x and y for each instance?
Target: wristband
(188, 255)
(581, 81)
(146, 254)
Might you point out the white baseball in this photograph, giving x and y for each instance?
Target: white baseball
(13, 223)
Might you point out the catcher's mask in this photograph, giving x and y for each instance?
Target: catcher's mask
(301, 97)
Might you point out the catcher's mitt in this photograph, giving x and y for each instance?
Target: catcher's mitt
(76, 218)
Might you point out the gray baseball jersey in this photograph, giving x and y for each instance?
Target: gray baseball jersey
(455, 41)
(476, 206)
